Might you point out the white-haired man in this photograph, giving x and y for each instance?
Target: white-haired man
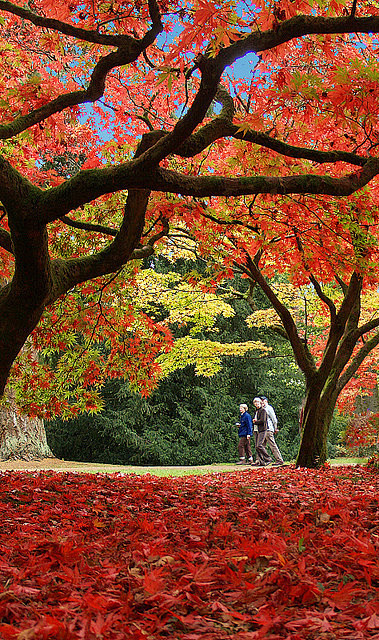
(272, 428)
(260, 431)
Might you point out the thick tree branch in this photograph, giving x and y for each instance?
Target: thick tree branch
(296, 27)
(16, 191)
(203, 186)
(93, 92)
(85, 186)
(351, 300)
(211, 74)
(349, 338)
(69, 273)
(86, 34)
(221, 127)
(303, 153)
(336, 354)
(126, 245)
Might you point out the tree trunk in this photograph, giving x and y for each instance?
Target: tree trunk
(21, 437)
(317, 416)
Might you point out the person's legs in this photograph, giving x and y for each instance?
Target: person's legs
(249, 455)
(262, 454)
(255, 433)
(241, 449)
(270, 441)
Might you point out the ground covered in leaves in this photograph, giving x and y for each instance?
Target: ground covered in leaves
(271, 553)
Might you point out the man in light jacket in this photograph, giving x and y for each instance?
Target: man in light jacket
(272, 428)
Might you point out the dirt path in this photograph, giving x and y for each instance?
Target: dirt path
(54, 464)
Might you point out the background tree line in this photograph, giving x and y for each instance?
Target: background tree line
(190, 419)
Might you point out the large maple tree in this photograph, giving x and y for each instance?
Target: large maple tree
(263, 117)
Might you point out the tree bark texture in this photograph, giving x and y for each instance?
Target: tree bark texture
(317, 416)
(21, 437)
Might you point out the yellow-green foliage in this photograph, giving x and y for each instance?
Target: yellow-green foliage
(206, 355)
(184, 303)
(300, 301)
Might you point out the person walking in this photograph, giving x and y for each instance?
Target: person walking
(245, 431)
(260, 421)
(272, 428)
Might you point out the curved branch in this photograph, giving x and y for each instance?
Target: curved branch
(88, 185)
(351, 370)
(93, 92)
(368, 326)
(321, 157)
(126, 245)
(336, 353)
(203, 186)
(140, 252)
(87, 226)
(148, 249)
(329, 303)
(207, 92)
(302, 355)
(16, 191)
(68, 273)
(292, 28)
(231, 223)
(128, 51)
(350, 307)
(341, 283)
(84, 34)
(222, 126)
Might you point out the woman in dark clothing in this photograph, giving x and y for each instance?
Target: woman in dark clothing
(260, 423)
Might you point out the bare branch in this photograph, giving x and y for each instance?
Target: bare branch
(301, 352)
(341, 283)
(321, 294)
(87, 226)
(93, 92)
(148, 249)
